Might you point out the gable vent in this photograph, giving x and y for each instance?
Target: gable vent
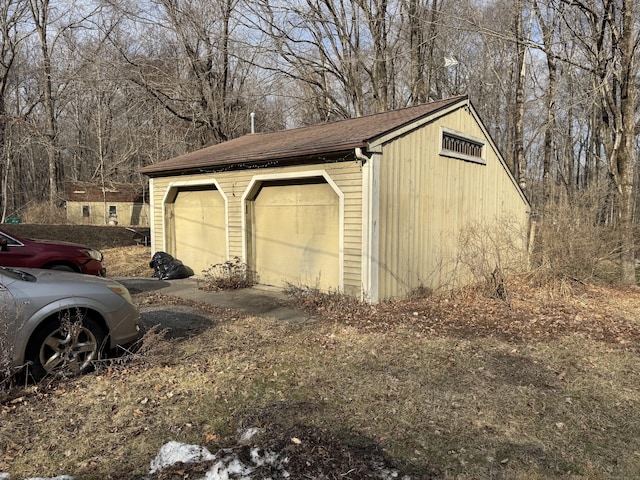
(464, 146)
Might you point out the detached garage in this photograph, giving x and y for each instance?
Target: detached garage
(370, 206)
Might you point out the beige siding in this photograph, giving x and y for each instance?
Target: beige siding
(346, 176)
(128, 214)
(426, 200)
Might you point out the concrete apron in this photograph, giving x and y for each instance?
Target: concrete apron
(259, 301)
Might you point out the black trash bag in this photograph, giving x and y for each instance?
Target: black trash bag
(165, 267)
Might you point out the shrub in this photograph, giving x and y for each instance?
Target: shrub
(575, 239)
(43, 213)
(490, 253)
(229, 275)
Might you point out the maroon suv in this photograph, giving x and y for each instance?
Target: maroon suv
(24, 252)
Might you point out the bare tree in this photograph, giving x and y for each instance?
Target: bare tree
(548, 22)
(40, 15)
(611, 44)
(189, 64)
(12, 15)
(317, 44)
(423, 17)
(344, 53)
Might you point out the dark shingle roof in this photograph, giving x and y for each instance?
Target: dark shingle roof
(306, 142)
(111, 192)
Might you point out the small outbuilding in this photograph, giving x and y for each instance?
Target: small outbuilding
(110, 204)
(374, 206)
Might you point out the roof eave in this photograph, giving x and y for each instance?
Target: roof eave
(313, 155)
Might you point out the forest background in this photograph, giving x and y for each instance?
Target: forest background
(91, 90)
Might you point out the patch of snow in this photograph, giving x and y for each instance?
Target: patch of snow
(248, 434)
(227, 463)
(173, 452)
(261, 457)
(227, 466)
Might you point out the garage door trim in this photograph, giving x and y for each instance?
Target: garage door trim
(169, 197)
(253, 188)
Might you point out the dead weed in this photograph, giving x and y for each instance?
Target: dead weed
(600, 313)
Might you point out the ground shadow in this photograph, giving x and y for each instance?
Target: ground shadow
(178, 320)
(139, 285)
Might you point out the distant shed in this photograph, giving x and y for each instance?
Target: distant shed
(374, 207)
(112, 204)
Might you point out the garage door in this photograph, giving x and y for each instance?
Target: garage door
(200, 236)
(296, 229)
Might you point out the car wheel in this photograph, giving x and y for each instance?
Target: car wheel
(62, 268)
(66, 347)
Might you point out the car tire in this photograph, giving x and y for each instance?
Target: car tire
(66, 346)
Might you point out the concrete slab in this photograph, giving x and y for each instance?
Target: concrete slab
(257, 301)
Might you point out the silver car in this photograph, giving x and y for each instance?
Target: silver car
(54, 322)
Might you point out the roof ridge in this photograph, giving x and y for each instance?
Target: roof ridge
(444, 101)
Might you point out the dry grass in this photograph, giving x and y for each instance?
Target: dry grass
(130, 261)
(442, 402)
(544, 385)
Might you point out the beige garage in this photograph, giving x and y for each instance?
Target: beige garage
(198, 223)
(374, 206)
(295, 233)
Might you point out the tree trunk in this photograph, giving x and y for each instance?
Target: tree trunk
(518, 143)
(626, 154)
(40, 13)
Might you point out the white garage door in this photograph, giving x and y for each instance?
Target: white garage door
(200, 236)
(296, 229)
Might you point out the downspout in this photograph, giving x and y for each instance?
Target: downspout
(370, 216)
(361, 156)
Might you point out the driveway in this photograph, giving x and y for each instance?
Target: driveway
(185, 320)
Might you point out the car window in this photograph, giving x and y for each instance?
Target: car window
(10, 241)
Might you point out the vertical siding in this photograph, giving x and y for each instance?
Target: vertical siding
(347, 176)
(427, 199)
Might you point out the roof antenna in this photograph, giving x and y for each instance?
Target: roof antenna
(253, 122)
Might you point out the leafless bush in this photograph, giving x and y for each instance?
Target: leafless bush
(489, 253)
(6, 354)
(421, 291)
(230, 275)
(7, 371)
(575, 240)
(152, 348)
(44, 213)
(314, 299)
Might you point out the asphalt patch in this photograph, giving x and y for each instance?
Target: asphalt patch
(180, 321)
